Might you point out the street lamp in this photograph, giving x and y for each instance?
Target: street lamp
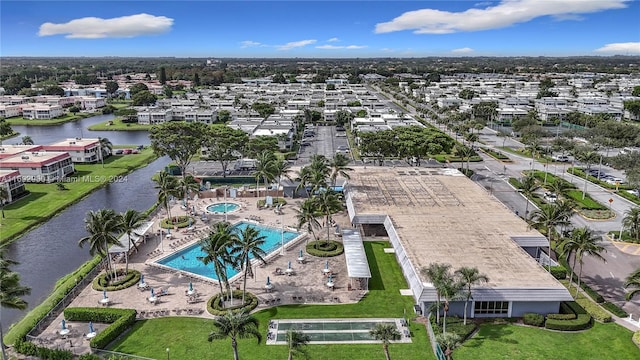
(167, 353)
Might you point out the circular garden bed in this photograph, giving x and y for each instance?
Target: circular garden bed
(107, 281)
(215, 304)
(323, 248)
(177, 221)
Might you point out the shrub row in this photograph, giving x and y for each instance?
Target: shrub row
(20, 330)
(581, 322)
(551, 179)
(495, 154)
(533, 319)
(580, 173)
(178, 221)
(598, 313)
(559, 272)
(456, 326)
(614, 309)
(129, 279)
(120, 319)
(214, 305)
(636, 337)
(30, 349)
(592, 293)
(561, 316)
(629, 197)
(337, 250)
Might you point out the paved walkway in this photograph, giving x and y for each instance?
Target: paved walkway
(307, 284)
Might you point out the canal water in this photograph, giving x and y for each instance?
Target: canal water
(51, 250)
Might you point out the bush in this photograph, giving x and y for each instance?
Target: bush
(130, 279)
(592, 293)
(337, 247)
(214, 305)
(177, 221)
(120, 319)
(559, 272)
(533, 319)
(30, 349)
(614, 309)
(276, 201)
(561, 316)
(456, 326)
(598, 313)
(495, 154)
(581, 322)
(636, 338)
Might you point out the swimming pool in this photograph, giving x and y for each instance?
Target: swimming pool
(187, 258)
(223, 207)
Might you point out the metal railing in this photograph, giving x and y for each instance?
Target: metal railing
(437, 351)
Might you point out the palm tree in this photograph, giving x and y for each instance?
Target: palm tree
(281, 170)
(631, 221)
(4, 197)
(470, 276)
(528, 187)
(102, 226)
(339, 167)
(327, 203)
(633, 281)
(216, 247)
(448, 341)
(264, 169)
(129, 221)
(188, 184)
(584, 242)
(11, 292)
(548, 217)
(248, 245)
(296, 341)
(436, 272)
(103, 144)
(560, 187)
(167, 186)
(464, 153)
(385, 333)
(27, 140)
(588, 158)
(449, 288)
(307, 214)
(235, 326)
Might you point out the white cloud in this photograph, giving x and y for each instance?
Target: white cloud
(506, 13)
(249, 43)
(335, 47)
(333, 39)
(120, 27)
(621, 48)
(296, 44)
(464, 50)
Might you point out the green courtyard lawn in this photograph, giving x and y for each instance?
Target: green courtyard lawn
(513, 342)
(56, 121)
(45, 200)
(187, 337)
(118, 125)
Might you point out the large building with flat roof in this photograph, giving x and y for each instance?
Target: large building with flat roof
(81, 150)
(440, 216)
(42, 167)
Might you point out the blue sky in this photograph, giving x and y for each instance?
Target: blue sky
(338, 29)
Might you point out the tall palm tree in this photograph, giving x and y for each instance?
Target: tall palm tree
(296, 341)
(588, 158)
(4, 197)
(235, 326)
(528, 186)
(470, 276)
(264, 169)
(464, 153)
(188, 185)
(435, 272)
(307, 215)
(104, 144)
(448, 341)
(11, 292)
(385, 333)
(632, 281)
(584, 242)
(449, 287)
(631, 222)
(549, 216)
(339, 167)
(560, 187)
(102, 226)
(247, 246)
(327, 203)
(216, 246)
(167, 186)
(129, 221)
(281, 170)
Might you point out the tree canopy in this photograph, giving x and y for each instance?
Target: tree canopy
(179, 141)
(225, 144)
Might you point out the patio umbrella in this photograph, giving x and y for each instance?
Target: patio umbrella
(168, 230)
(64, 325)
(91, 330)
(268, 281)
(326, 265)
(190, 286)
(104, 294)
(153, 294)
(289, 266)
(141, 279)
(189, 221)
(301, 253)
(330, 278)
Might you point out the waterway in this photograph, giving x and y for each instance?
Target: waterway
(51, 250)
(49, 134)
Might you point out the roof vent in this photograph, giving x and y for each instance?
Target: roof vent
(25, 157)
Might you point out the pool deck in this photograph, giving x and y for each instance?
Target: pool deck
(307, 284)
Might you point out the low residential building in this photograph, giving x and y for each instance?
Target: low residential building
(41, 111)
(80, 150)
(9, 111)
(12, 150)
(11, 180)
(507, 114)
(151, 116)
(42, 167)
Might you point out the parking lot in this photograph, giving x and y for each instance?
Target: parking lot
(325, 141)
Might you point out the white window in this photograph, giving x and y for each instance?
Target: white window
(491, 307)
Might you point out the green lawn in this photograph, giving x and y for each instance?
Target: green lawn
(186, 337)
(118, 125)
(45, 200)
(56, 121)
(512, 342)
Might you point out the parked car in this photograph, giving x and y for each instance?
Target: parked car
(550, 197)
(615, 181)
(118, 152)
(340, 128)
(560, 158)
(634, 192)
(127, 151)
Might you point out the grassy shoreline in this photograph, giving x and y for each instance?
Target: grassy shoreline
(45, 200)
(48, 122)
(118, 125)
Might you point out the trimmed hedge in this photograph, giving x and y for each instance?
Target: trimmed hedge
(592, 293)
(214, 305)
(496, 155)
(561, 316)
(120, 319)
(559, 272)
(335, 248)
(581, 322)
(636, 337)
(130, 279)
(30, 349)
(533, 319)
(614, 309)
(178, 221)
(598, 313)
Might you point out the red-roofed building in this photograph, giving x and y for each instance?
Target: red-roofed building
(81, 150)
(40, 166)
(13, 150)
(11, 180)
